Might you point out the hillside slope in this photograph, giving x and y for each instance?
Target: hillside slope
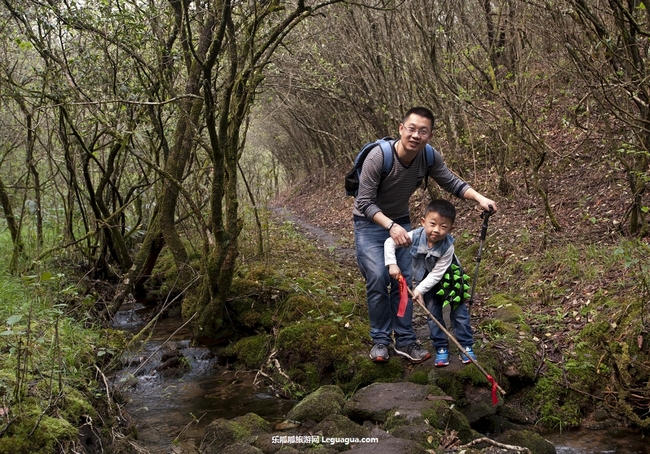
(580, 286)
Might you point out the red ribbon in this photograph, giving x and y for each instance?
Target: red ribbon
(495, 400)
(403, 296)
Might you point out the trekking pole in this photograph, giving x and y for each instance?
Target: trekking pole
(453, 339)
(485, 215)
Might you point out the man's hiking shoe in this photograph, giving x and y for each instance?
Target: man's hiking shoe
(469, 353)
(379, 353)
(413, 353)
(442, 357)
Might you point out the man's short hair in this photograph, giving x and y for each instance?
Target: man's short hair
(443, 207)
(421, 112)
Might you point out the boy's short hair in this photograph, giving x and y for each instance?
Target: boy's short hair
(421, 112)
(443, 207)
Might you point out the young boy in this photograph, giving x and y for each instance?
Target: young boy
(432, 249)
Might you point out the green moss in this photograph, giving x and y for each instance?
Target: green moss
(505, 308)
(497, 327)
(253, 423)
(559, 407)
(75, 405)
(444, 416)
(36, 434)
(327, 400)
(306, 375)
(297, 307)
(251, 351)
(596, 333)
(367, 372)
(421, 377)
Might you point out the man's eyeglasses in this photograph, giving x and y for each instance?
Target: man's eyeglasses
(410, 130)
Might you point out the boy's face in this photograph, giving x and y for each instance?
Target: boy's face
(436, 227)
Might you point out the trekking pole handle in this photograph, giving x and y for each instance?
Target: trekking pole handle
(485, 215)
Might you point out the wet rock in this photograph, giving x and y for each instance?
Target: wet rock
(478, 404)
(222, 432)
(496, 424)
(326, 400)
(424, 434)
(399, 404)
(528, 439)
(338, 426)
(255, 424)
(387, 444)
(375, 402)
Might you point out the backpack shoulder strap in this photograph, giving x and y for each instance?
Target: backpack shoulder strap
(429, 156)
(429, 159)
(387, 147)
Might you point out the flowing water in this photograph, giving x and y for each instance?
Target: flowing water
(623, 441)
(167, 401)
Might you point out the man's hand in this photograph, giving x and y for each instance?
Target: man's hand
(400, 236)
(484, 202)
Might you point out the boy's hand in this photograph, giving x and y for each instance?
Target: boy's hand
(417, 297)
(394, 271)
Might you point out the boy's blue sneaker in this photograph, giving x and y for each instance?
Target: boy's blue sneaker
(442, 357)
(469, 353)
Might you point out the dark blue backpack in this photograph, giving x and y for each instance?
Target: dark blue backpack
(386, 144)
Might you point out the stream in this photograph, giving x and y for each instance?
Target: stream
(166, 401)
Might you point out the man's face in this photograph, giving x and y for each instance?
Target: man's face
(436, 227)
(415, 132)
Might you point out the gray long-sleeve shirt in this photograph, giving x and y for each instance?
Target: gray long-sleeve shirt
(391, 195)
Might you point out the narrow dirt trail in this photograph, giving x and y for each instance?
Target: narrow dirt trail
(323, 239)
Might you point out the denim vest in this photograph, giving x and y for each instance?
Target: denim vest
(425, 258)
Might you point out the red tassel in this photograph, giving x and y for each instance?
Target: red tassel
(495, 400)
(403, 296)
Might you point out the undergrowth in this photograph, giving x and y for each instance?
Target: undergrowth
(49, 374)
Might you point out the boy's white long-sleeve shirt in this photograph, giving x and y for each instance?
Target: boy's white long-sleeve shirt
(434, 276)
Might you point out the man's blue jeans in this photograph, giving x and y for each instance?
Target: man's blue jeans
(459, 319)
(382, 307)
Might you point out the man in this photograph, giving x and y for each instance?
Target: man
(381, 209)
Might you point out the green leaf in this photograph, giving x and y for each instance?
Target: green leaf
(11, 321)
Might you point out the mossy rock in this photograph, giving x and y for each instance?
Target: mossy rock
(306, 375)
(494, 325)
(297, 307)
(254, 423)
(325, 401)
(251, 351)
(338, 426)
(443, 416)
(423, 434)
(366, 372)
(421, 377)
(527, 439)
(222, 432)
(327, 344)
(506, 308)
(559, 407)
(403, 417)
